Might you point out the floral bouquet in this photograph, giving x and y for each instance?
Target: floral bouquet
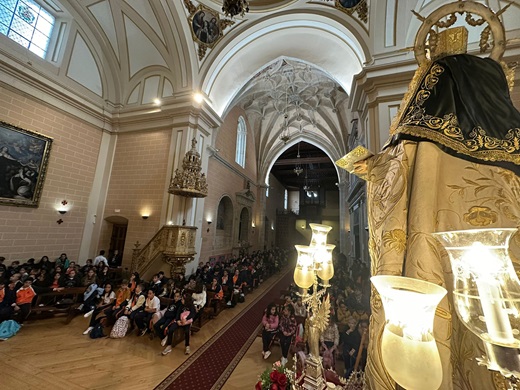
(275, 378)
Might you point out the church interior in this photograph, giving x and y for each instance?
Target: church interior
(174, 133)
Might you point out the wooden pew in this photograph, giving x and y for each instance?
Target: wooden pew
(58, 302)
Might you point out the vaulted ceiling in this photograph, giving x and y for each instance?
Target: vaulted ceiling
(115, 57)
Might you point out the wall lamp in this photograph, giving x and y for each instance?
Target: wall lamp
(63, 208)
(209, 223)
(145, 216)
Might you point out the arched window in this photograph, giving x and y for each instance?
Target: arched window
(240, 154)
(28, 24)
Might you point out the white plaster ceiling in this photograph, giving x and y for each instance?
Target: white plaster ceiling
(119, 54)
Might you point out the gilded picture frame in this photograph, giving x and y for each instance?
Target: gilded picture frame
(354, 7)
(348, 4)
(24, 157)
(206, 28)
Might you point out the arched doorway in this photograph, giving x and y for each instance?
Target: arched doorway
(117, 227)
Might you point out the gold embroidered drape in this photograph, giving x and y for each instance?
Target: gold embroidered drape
(414, 189)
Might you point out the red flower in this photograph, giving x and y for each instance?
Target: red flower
(274, 376)
(282, 380)
(258, 386)
(274, 386)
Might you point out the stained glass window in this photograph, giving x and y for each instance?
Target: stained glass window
(27, 23)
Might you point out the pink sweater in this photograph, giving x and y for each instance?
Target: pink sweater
(272, 321)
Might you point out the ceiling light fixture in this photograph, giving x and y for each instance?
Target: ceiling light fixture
(233, 8)
(298, 168)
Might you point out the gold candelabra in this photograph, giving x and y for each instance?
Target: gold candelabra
(315, 261)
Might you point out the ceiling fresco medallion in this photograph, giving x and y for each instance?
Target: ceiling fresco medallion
(206, 26)
(355, 8)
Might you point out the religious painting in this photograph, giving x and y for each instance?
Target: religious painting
(356, 8)
(348, 3)
(205, 26)
(24, 156)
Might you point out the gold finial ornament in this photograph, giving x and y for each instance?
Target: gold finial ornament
(427, 37)
(189, 181)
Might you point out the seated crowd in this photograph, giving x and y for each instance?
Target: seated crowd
(157, 307)
(285, 321)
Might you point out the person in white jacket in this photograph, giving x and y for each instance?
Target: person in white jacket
(199, 299)
(135, 305)
(142, 318)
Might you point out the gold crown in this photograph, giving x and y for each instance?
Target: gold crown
(449, 42)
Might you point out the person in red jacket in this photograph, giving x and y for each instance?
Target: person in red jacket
(24, 297)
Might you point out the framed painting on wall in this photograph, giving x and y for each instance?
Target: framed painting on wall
(24, 156)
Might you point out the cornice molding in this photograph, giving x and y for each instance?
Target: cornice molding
(177, 112)
(376, 81)
(227, 164)
(36, 85)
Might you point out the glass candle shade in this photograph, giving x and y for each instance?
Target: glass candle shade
(409, 350)
(304, 270)
(486, 288)
(319, 234)
(323, 261)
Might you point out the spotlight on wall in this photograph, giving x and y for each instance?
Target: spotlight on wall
(157, 101)
(209, 223)
(145, 216)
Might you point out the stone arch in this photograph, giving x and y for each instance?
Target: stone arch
(279, 148)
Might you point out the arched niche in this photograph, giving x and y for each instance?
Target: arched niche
(224, 223)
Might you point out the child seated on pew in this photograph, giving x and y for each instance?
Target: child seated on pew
(135, 305)
(24, 297)
(142, 318)
(170, 313)
(183, 320)
(123, 294)
(199, 299)
(106, 301)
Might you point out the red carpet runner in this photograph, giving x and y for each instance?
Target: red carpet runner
(212, 364)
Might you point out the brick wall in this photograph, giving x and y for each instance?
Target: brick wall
(137, 185)
(224, 181)
(33, 232)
